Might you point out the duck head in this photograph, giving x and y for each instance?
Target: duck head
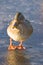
(18, 18)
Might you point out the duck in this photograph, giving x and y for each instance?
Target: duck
(19, 30)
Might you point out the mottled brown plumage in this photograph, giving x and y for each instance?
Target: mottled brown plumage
(19, 29)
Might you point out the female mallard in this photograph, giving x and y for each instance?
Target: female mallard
(19, 30)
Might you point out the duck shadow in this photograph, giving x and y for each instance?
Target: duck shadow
(16, 57)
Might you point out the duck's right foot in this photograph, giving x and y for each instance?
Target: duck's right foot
(20, 47)
(11, 47)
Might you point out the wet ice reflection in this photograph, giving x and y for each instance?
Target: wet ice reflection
(17, 58)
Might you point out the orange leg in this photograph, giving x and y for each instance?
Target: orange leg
(20, 46)
(11, 46)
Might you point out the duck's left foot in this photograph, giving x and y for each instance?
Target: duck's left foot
(11, 47)
(21, 47)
